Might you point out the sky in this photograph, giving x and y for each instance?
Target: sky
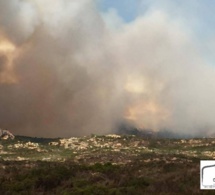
(197, 15)
(70, 68)
(127, 10)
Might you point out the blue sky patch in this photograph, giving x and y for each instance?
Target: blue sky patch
(127, 9)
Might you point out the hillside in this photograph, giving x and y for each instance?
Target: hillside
(109, 164)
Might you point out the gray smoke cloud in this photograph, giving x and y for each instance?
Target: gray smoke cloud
(67, 70)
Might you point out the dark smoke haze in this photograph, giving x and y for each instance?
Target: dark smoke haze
(66, 70)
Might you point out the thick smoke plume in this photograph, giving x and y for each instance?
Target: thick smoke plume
(65, 70)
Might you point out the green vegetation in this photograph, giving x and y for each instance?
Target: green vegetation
(103, 165)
